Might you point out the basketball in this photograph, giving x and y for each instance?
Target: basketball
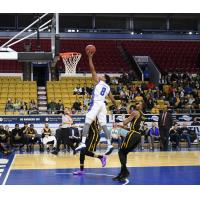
(91, 48)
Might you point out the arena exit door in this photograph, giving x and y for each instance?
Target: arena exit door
(40, 73)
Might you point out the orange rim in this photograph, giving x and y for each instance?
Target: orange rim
(69, 54)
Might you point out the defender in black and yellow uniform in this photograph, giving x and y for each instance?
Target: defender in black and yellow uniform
(131, 141)
(91, 144)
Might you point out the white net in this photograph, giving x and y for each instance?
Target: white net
(70, 61)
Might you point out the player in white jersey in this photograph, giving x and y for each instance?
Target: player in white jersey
(97, 105)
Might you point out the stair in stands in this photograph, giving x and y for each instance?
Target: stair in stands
(126, 58)
(42, 100)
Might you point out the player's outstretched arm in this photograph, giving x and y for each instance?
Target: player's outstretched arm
(112, 99)
(92, 68)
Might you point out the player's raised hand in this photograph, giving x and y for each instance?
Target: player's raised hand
(89, 54)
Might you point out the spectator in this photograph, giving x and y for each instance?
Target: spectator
(5, 147)
(123, 109)
(17, 138)
(7, 129)
(9, 105)
(154, 134)
(59, 107)
(58, 137)
(74, 136)
(86, 101)
(145, 137)
(48, 138)
(78, 90)
(174, 77)
(67, 122)
(89, 90)
(51, 107)
(175, 137)
(24, 108)
(17, 105)
(149, 103)
(196, 122)
(58, 131)
(84, 89)
(165, 122)
(32, 138)
(155, 110)
(74, 111)
(138, 98)
(77, 105)
(150, 85)
(84, 109)
(33, 107)
(185, 134)
(115, 135)
(24, 128)
(119, 88)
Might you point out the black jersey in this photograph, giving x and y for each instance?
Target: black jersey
(46, 131)
(136, 123)
(31, 132)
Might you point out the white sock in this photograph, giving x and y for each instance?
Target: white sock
(83, 139)
(108, 142)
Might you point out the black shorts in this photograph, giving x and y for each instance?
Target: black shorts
(132, 139)
(92, 139)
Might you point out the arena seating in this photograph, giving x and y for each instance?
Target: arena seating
(107, 58)
(15, 88)
(167, 55)
(63, 89)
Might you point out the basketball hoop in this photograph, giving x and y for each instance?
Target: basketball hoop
(70, 60)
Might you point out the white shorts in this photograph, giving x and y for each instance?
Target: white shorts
(47, 139)
(98, 109)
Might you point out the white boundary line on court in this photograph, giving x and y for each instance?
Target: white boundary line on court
(88, 174)
(5, 179)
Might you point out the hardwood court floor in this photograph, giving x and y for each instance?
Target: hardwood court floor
(146, 168)
(135, 159)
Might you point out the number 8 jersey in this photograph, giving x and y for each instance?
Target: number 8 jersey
(100, 91)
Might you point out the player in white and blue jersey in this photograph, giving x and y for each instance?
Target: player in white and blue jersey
(97, 105)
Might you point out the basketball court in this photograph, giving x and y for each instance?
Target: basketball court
(146, 168)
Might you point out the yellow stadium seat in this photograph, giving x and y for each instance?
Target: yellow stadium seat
(11, 95)
(18, 95)
(4, 89)
(4, 95)
(65, 95)
(51, 95)
(32, 90)
(57, 90)
(56, 86)
(25, 89)
(58, 95)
